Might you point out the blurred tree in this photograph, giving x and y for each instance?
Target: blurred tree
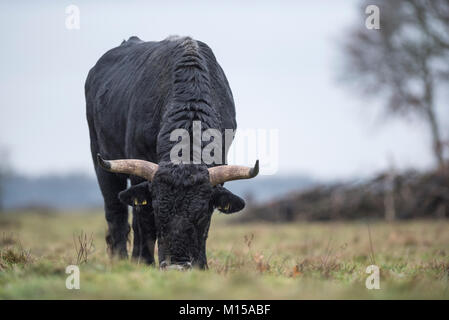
(405, 61)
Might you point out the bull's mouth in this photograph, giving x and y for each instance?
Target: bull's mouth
(164, 265)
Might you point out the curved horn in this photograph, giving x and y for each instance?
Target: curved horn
(225, 173)
(140, 168)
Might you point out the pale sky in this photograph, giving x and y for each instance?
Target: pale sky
(281, 61)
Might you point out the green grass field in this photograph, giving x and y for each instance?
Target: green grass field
(250, 261)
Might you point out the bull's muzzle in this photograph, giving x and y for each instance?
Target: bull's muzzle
(175, 266)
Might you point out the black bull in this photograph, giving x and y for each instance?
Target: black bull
(136, 95)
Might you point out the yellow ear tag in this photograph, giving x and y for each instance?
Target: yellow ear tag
(144, 202)
(135, 202)
(227, 207)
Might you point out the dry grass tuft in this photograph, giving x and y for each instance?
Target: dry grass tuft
(324, 266)
(248, 239)
(440, 267)
(84, 246)
(262, 265)
(14, 255)
(295, 272)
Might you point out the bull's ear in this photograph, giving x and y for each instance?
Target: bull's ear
(137, 195)
(225, 201)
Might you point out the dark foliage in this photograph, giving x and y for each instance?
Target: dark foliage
(406, 196)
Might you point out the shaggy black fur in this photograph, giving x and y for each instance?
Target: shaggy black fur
(136, 95)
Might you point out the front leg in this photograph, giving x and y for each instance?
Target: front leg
(115, 211)
(139, 197)
(144, 234)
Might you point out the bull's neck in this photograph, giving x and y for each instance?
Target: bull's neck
(189, 120)
(190, 102)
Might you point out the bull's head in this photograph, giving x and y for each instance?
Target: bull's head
(183, 197)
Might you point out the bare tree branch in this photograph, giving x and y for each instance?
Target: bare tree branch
(405, 62)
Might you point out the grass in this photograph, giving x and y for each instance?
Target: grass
(251, 261)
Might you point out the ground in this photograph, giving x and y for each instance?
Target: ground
(246, 261)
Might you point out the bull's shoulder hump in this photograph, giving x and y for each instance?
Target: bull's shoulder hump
(132, 40)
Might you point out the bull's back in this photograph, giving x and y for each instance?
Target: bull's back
(128, 90)
(124, 93)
